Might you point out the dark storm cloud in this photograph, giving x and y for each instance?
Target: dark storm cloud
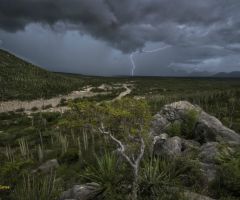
(128, 24)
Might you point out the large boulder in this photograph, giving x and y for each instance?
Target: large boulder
(87, 191)
(207, 128)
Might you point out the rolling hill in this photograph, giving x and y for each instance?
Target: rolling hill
(24, 81)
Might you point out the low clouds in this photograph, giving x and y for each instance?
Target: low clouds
(209, 28)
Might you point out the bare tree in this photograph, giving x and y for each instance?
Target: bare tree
(133, 160)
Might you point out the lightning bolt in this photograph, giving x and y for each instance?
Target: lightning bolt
(133, 63)
(144, 51)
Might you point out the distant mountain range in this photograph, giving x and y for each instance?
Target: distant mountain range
(234, 74)
(200, 74)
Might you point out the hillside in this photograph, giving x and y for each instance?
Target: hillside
(22, 80)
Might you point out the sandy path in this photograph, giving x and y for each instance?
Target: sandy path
(28, 105)
(124, 93)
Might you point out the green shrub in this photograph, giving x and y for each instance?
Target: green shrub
(189, 123)
(34, 108)
(71, 156)
(175, 129)
(51, 116)
(10, 172)
(227, 182)
(186, 127)
(20, 110)
(63, 102)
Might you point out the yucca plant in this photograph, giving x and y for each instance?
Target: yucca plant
(105, 173)
(157, 174)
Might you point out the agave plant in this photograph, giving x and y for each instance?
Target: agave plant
(105, 173)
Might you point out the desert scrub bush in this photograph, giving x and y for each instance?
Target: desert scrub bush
(69, 157)
(37, 187)
(45, 107)
(11, 172)
(34, 108)
(20, 110)
(51, 117)
(106, 172)
(63, 102)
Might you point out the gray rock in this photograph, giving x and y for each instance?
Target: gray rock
(168, 146)
(159, 124)
(209, 152)
(87, 191)
(210, 128)
(190, 144)
(194, 196)
(48, 166)
(176, 111)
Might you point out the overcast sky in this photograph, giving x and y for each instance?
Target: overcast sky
(98, 36)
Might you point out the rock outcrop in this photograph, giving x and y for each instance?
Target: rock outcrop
(207, 129)
(209, 137)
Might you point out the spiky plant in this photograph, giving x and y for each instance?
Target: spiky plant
(105, 173)
(157, 175)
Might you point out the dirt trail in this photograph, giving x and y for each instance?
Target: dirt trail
(124, 93)
(54, 102)
(28, 105)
